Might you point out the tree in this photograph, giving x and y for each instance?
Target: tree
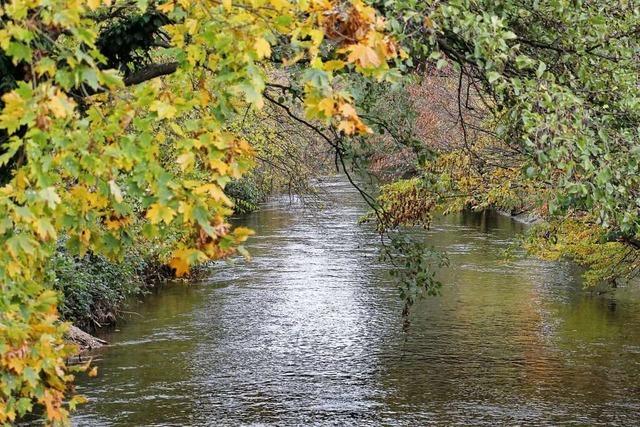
(95, 147)
(548, 106)
(560, 82)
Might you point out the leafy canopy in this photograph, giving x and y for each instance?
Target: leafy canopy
(559, 82)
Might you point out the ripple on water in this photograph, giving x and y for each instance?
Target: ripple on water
(309, 333)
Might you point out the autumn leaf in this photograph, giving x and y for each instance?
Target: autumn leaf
(263, 48)
(183, 258)
(364, 56)
(334, 65)
(164, 110)
(327, 106)
(93, 4)
(158, 213)
(180, 265)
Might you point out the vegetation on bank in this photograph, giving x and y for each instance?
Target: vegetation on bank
(93, 289)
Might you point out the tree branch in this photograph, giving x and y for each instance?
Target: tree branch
(151, 72)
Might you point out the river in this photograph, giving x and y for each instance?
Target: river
(310, 333)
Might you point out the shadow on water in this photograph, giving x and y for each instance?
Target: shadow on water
(310, 332)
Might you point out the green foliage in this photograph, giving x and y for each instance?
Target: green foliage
(92, 288)
(415, 266)
(245, 194)
(547, 99)
(581, 240)
(561, 81)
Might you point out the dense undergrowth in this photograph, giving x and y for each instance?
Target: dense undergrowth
(93, 290)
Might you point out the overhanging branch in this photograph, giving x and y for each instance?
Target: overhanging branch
(151, 72)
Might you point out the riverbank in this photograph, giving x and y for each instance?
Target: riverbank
(83, 340)
(151, 281)
(94, 291)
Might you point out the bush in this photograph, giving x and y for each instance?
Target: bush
(94, 289)
(246, 195)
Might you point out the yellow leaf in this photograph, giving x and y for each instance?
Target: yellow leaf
(327, 106)
(166, 7)
(186, 210)
(158, 213)
(219, 166)
(181, 259)
(116, 223)
(85, 237)
(93, 4)
(347, 127)
(60, 105)
(180, 265)
(215, 192)
(364, 56)
(242, 233)
(333, 65)
(16, 363)
(192, 26)
(205, 97)
(186, 160)
(226, 4)
(347, 110)
(280, 4)
(164, 110)
(44, 229)
(263, 48)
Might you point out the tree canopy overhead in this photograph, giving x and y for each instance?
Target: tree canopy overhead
(558, 81)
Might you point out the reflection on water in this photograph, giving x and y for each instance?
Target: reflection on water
(310, 333)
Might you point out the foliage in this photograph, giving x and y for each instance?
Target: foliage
(581, 240)
(405, 203)
(415, 267)
(245, 195)
(102, 159)
(541, 100)
(560, 81)
(92, 288)
(482, 173)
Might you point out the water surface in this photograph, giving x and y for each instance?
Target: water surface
(310, 333)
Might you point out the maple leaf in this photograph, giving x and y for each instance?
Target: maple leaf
(158, 213)
(93, 4)
(182, 259)
(364, 56)
(164, 110)
(263, 48)
(327, 106)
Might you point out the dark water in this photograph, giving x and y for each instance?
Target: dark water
(309, 333)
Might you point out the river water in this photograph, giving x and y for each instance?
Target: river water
(310, 333)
